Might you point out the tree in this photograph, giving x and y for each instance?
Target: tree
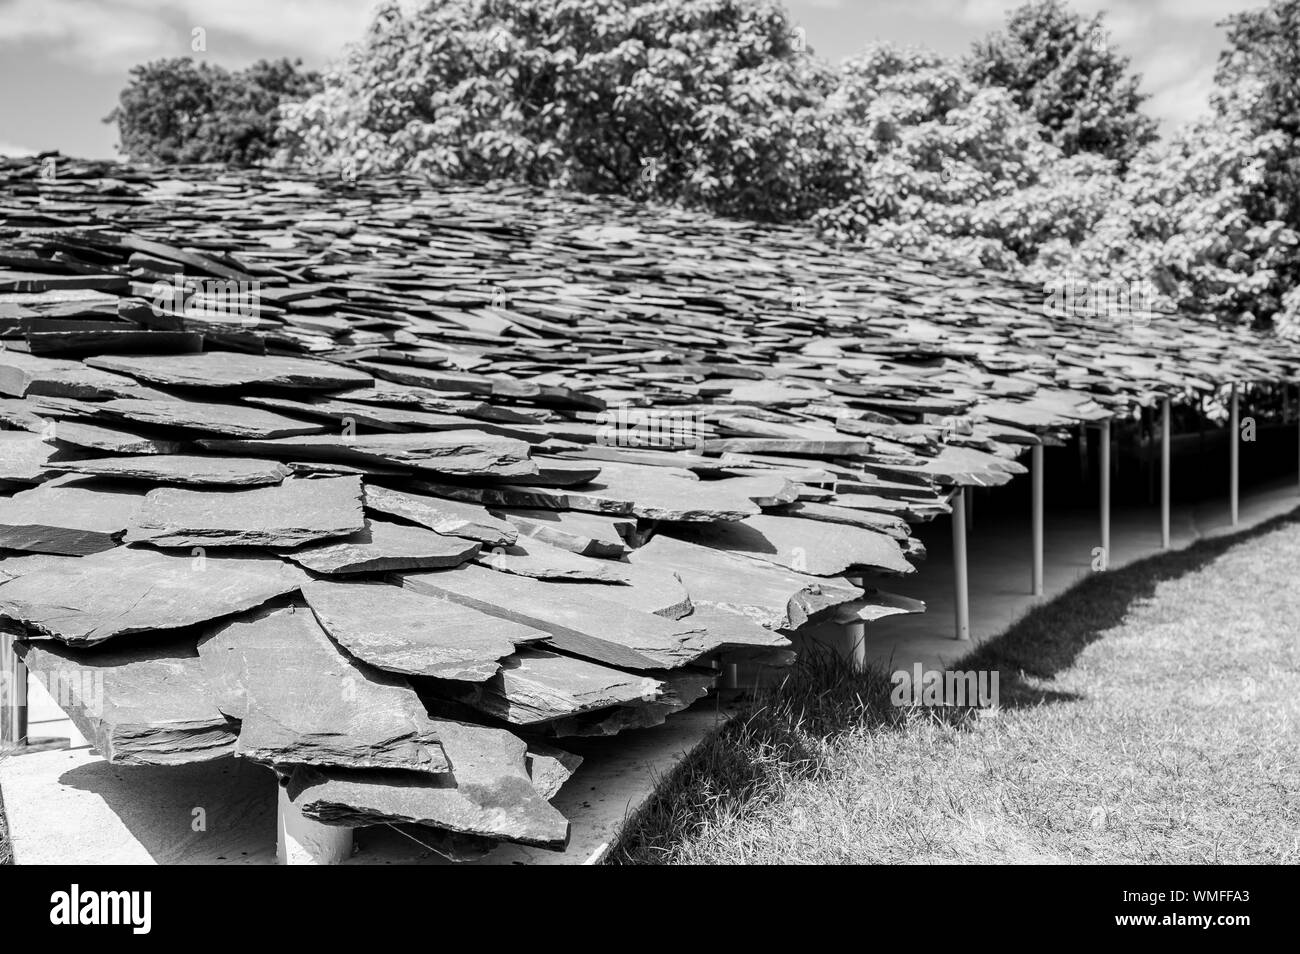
(176, 111)
(708, 102)
(1212, 215)
(1258, 75)
(1062, 70)
(1196, 216)
(944, 166)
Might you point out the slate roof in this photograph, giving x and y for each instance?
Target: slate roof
(408, 484)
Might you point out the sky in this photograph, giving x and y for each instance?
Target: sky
(63, 62)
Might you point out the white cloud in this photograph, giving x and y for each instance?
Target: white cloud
(110, 35)
(97, 34)
(319, 27)
(1182, 99)
(1205, 11)
(981, 12)
(9, 149)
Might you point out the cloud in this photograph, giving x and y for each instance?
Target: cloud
(986, 12)
(95, 34)
(1204, 11)
(111, 35)
(318, 27)
(1183, 96)
(9, 149)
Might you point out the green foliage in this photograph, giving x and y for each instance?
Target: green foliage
(1197, 216)
(177, 111)
(1258, 91)
(711, 103)
(944, 166)
(1259, 71)
(1062, 71)
(707, 102)
(1212, 214)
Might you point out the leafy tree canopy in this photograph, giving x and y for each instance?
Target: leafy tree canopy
(176, 111)
(1062, 70)
(709, 102)
(1196, 215)
(1258, 76)
(946, 166)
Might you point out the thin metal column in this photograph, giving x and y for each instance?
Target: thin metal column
(855, 637)
(1104, 468)
(1166, 429)
(300, 840)
(1082, 443)
(13, 697)
(1036, 476)
(1234, 455)
(730, 676)
(960, 579)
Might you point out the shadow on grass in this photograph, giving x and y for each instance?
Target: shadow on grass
(786, 732)
(1049, 638)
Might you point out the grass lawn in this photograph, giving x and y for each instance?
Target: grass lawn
(1149, 715)
(6, 853)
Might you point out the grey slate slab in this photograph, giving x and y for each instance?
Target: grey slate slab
(384, 546)
(450, 517)
(536, 685)
(138, 705)
(492, 794)
(297, 511)
(402, 631)
(594, 628)
(180, 469)
(128, 590)
(300, 700)
(72, 518)
(232, 369)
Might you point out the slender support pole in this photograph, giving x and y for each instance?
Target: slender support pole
(1234, 456)
(1148, 454)
(1036, 478)
(1297, 418)
(969, 496)
(13, 697)
(1103, 459)
(729, 676)
(1083, 454)
(1166, 429)
(855, 637)
(300, 840)
(960, 581)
